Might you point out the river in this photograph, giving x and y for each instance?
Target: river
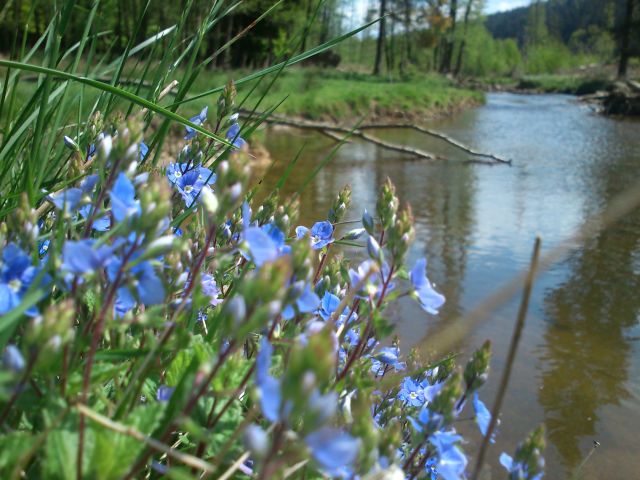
(578, 365)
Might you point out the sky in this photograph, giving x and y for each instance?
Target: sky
(492, 6)
(502, 5)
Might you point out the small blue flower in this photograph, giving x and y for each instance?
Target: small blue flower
(101, 224)
(16, 276)
(81, 257)
(262, 248)
(333, 449)
(321, 234)
(429, 299)
(12, 359)
(189, 186)
(451, 460)
(388, 356)
(123, 201)
(43, 248)
(329, 305)
(176, 171)
(233, 135)
(269, 387)
(198, 120)
(307, 302)
(164, 393)
(518, 470)
(210, 289)
(411, 393)
(66, 200)
(148, 286)
(143, 149)
(483, 416)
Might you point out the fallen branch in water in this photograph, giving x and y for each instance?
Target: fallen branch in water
(332, 130)
(441, 136)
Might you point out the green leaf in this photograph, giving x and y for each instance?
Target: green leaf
(61, 448)
(114, 453)
(12, 446)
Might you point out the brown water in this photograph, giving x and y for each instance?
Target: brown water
(578, 366)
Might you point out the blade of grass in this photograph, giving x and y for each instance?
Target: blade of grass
(116, 91)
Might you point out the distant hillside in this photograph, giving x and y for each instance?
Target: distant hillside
(563, 17)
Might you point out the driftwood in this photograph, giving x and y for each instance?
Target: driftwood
(440, 135)
(333, 131)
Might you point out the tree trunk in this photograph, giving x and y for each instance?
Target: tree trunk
(625, 40)
(447, 54)
(407, 30)
(381, 35)
(467, 12)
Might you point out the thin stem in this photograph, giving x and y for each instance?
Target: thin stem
(515, 339)
(185, 458)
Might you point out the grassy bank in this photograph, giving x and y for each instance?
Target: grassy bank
(317, 94)
(337, 96)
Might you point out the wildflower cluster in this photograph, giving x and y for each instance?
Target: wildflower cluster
(169, 306)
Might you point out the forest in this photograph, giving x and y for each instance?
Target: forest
(454, 37)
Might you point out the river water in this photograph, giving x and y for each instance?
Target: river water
(578, 365)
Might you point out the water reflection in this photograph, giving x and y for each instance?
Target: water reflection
(587, 350)
(578, 368)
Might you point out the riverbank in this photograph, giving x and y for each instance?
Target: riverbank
(549, 83)
(342, 97)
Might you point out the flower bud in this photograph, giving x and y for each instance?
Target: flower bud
(12, 359)
(70, 144)
(256, 441)
(374, 250)
(367, 222)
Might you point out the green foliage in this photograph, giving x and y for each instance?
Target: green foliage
(484, 56)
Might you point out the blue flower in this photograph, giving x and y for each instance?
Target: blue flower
(148, 286)
(307, 302)
(519, 470)
(190, 185)
(123, 201)
(329, 305)
(12, 359)
(483, 416)
(198, 120)
(210, 289)
(268, 386)
(431, 391)
(265, 243)
(321, 234)
(81, 257)
(388, 356)
(373, 286)
(333, 449)
(66, 200)
(233, 135)
(16, 276)
(451, 460)
(411, 393)
(101, 224)
(164, 393)
(426, 421)
(43, 247)
(143, 149)
(176, 171)
(429, 299)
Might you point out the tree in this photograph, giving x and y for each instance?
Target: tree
(381, 37)
(625, 39)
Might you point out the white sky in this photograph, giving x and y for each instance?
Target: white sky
(359, 8)
(502, 5)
